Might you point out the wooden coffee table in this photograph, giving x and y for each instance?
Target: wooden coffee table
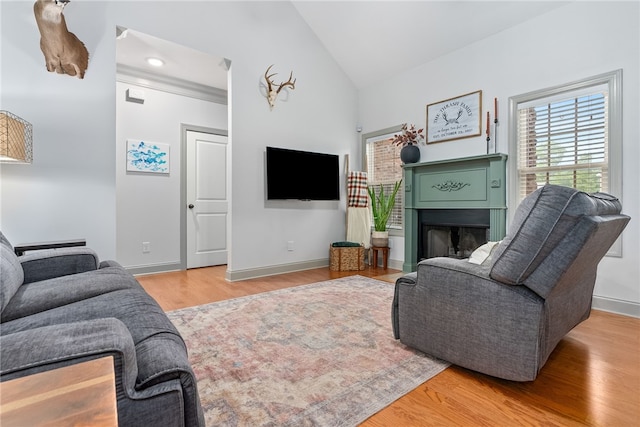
(83, 394)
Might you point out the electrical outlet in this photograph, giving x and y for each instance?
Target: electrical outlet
(290, 245)
(146, 247)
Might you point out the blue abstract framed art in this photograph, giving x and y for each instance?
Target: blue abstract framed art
(144, 156)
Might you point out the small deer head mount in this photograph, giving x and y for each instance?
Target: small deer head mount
(273, 90)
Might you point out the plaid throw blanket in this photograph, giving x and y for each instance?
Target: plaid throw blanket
(357, 195)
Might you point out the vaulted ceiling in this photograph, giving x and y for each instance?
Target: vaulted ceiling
(370, 40)
(373, 40)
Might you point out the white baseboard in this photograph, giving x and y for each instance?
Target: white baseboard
(626, 308)
(154, 268)
(252, 273)
(395, 264)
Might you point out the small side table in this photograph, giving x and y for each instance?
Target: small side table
(81, 394)
(385, 255)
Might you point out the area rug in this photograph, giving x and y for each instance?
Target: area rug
(313, 355)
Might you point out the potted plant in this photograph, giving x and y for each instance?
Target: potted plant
(409, 139)
(381, 207)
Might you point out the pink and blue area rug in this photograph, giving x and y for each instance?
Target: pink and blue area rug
(313, 355)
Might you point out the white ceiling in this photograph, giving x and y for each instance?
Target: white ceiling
(373, 40)
(180, 62)
(370, 40)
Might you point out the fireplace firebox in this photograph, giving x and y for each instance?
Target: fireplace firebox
(451, 232)
(453, 206)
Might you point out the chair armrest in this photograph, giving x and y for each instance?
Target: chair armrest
(50, 263)
(23, 247)
(110, 263)
(50, 347)
(456, 265)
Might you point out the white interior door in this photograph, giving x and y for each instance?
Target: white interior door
(207, 199)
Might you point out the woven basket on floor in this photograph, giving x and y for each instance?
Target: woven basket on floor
(346, 258)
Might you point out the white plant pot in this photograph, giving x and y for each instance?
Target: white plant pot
(380, 238)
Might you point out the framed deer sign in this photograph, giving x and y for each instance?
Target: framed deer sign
(454, 118)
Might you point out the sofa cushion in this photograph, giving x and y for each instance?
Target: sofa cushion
(36, 297)
(48, 263)
(541, 221)
(11, 274)
(5, 241)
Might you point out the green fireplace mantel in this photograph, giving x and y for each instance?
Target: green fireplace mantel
(477, 182)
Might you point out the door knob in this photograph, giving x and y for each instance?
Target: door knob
(191, 206)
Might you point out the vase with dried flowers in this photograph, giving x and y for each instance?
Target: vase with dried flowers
(409, 138)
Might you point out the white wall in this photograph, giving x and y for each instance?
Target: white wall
(148, 205)
(579, 40)
(70, 189)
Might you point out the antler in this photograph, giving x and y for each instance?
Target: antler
(267, 77)
(272, 93)
(271, 83)
(287, 83)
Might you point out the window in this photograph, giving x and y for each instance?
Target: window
(383, 166)
(565, 136)
(565, 142)
(568, 135)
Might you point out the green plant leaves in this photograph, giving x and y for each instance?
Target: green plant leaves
(382, 205)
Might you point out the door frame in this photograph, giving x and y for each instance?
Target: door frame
(184, 128)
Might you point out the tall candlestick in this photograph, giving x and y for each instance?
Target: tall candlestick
(488, 124)
(495, 108)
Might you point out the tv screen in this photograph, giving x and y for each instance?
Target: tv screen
(301, 175)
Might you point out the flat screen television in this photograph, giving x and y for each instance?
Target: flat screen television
(301, 175)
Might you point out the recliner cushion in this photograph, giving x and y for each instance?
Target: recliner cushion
(543, 218)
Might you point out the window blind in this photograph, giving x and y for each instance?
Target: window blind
(385, 167)
(564, 141)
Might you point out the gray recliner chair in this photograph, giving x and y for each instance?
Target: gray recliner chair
(505, 316)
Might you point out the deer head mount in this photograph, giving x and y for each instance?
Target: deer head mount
(63, 52)
(273, 89)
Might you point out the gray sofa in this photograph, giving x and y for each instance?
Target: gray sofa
(62, 306)
(505, 316)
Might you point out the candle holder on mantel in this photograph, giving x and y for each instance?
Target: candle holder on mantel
(495, 127)
(495, 135)
(488, 132)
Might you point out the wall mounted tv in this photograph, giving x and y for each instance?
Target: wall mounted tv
(302, 175)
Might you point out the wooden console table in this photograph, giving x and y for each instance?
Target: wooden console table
(82, 394)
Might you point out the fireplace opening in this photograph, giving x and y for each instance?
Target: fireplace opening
(451, 232)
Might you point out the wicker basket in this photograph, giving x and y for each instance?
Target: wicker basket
(346, 258)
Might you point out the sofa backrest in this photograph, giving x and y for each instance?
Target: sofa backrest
(11, 273)
(544, 219)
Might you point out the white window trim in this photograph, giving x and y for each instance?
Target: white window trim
(613, 80)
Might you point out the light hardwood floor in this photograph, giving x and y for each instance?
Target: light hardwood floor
(592, 378)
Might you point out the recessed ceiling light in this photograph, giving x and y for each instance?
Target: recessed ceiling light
(156, 62)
